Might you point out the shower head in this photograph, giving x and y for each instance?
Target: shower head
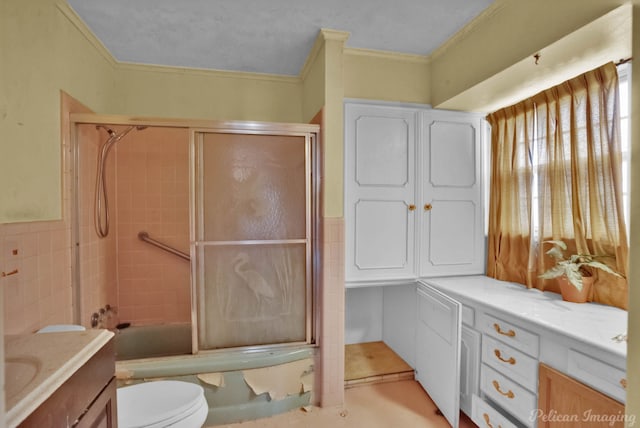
(101, 205)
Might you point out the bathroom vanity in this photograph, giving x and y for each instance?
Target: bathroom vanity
(518, 353)
(60, 379)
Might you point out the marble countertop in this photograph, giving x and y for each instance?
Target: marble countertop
(36, 365)
(590, 323)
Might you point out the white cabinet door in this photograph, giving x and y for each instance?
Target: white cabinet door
(380, 192)
(452, 227)
(438, 350)
(469, 367)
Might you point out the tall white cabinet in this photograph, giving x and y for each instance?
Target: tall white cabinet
(413, 193)
(380, 191)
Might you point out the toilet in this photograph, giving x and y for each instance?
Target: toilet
(165, 403)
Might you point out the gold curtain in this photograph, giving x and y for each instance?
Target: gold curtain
(577, 195)
(510, 202)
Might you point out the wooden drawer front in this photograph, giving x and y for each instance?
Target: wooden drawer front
(510, 362)
(486, 416)
(598, 374)
(468, 315)
(510, 334)
(512, 397)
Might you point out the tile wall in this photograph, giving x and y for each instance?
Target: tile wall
(152, 182)
(98, 268)
(331, 334)
(37, 290)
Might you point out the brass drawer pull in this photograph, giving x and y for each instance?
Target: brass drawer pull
(511, 360)
(508, 394)
(488, 422)
(623, 383)
(412, 207)
(509, 333)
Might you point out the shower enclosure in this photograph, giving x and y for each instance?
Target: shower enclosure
(252, 238)
(250, 226)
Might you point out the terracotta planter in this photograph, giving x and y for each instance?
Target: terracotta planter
(571, 294)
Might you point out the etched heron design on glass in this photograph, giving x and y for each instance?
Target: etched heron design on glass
(256, 282)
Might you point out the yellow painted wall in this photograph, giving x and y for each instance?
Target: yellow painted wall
(633, 345)
(508, 32)
(41, 52)
(387, 76)
(45, 48)
(313, 81)
(334, 125)
(203, 94)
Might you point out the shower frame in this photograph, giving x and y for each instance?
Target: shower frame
(199, 127)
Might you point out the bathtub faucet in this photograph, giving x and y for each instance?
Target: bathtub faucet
(95, 319)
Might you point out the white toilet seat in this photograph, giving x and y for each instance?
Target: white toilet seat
(161, 404)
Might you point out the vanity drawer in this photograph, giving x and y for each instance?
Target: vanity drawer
(598, 374)
(510, 333)
(512, 397)
(485, 416)
(510, 362)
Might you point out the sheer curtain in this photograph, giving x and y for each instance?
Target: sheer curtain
(575, 188)
(510, 190)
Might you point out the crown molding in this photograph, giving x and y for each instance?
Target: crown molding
(323, 35)
(465, 31)
(224, 74)
(82, 27)
(372, 53)
(337, 35)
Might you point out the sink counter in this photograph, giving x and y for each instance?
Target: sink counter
(36, 365)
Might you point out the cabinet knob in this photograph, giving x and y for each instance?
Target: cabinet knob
(412, 207)
(427, 207)
(623, 383)
(511, 360)
(508, 394)
(509, 333)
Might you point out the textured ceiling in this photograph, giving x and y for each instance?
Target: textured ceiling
(266, 36)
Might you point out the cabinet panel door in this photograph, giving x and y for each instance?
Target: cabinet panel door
(469, 367)
(438, 350)
(380, 192)
(563, 401)
(452, 235)
(382, 151)
(380, 247)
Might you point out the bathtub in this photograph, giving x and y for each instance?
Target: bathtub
(239, 385)
(148, 341)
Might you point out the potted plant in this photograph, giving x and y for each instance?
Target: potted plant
(574, 274)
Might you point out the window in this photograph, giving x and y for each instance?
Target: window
(560, 170)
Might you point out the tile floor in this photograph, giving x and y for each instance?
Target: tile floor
(402, 404)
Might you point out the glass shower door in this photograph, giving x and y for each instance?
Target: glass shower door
(252, 239)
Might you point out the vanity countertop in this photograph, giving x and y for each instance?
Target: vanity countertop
(36, 365)
(591, 323)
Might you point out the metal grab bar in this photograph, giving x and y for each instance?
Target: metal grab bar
(144, 236)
